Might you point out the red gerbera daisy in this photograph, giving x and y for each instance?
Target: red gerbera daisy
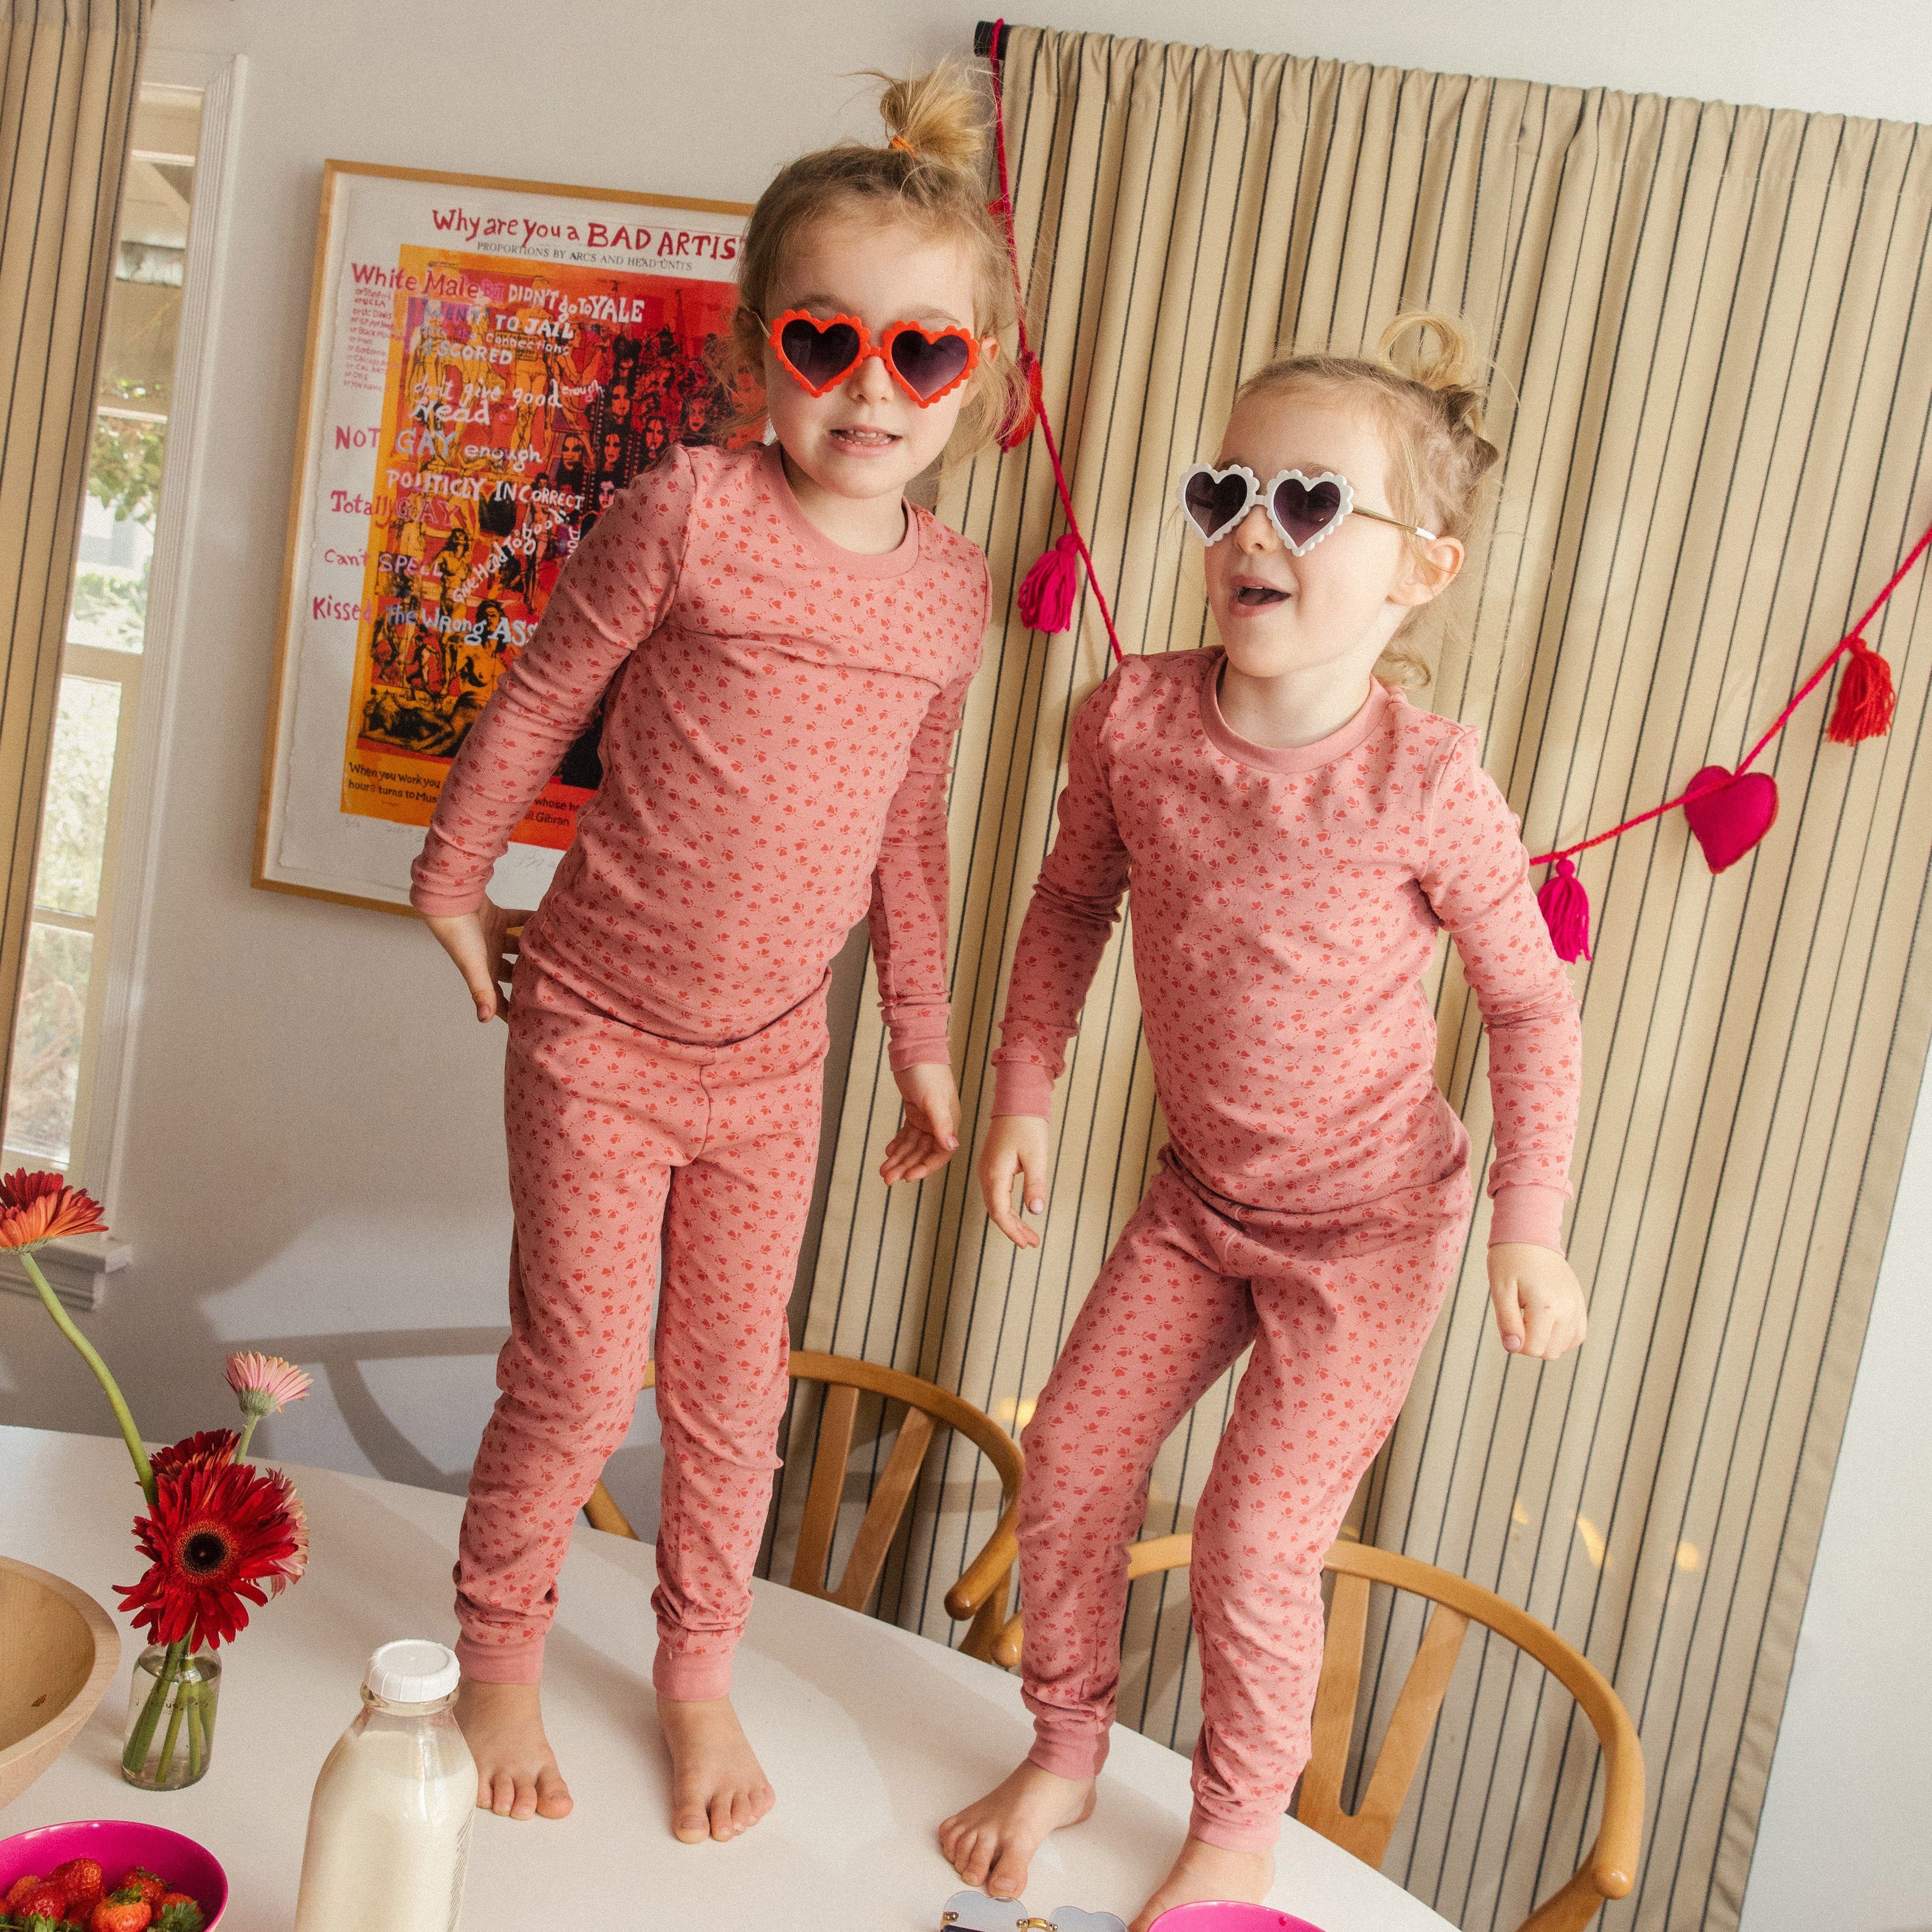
(218, 1532)
(204, 1445)
(37, 1208)
(289, 1569)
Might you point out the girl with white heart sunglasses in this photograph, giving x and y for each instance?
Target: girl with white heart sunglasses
(782, 646)
(1294, 833)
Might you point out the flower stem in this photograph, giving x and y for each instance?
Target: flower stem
(197, 1729)
(64, 1322)
(143, 1735)
(247, 1435)
(182, 1708)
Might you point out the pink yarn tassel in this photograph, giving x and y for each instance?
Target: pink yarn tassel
(1565, 907)
(1046, 598)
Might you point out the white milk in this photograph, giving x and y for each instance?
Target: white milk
(389, 1828)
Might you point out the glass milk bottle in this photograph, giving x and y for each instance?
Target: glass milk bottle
(389, 1828)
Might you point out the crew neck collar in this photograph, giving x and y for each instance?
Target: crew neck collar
(1286, 757)
(854, 563)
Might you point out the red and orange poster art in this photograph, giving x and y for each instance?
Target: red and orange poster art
(521, 396)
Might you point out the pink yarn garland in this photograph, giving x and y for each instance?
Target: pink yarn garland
(1736, 809)
(1050, 578)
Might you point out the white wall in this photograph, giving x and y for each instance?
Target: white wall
(314, 1157)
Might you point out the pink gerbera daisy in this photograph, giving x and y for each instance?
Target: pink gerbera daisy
(265, 1383)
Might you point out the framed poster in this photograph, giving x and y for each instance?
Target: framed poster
(489, 362)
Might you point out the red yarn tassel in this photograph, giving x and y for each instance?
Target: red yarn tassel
(1046, 598)
(1565, 907)
(1866, 699)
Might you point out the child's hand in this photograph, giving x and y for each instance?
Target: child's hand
(485, 949)
(1539, 1302)
(1016, 1148)
(931, 1131)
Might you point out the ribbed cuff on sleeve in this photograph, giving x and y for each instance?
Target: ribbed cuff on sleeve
(919, 1038)
(434, 904)
(1023, 1086)
(1528, 1213)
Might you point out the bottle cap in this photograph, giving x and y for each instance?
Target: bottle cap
(412, 1672)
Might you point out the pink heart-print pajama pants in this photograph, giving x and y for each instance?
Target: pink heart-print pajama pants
(1338, 1307)
(615, 1134)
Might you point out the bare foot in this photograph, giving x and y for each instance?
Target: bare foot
(992, 1842)
(516, 1770)
(718, 1787)
(1208, 1871)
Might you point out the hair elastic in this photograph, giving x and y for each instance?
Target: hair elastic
(904, 146)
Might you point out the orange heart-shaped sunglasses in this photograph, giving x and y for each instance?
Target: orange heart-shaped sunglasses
(819, 352)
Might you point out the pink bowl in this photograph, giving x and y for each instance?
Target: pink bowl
(1218, 1915)
(117, 1844)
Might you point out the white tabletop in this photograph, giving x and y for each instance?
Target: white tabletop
(870, 1735)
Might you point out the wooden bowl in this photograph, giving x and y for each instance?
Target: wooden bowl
(58, 1651)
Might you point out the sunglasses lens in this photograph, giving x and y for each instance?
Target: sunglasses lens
(821, 353)
(1306, 510)
(1214, 501)
(926, 365)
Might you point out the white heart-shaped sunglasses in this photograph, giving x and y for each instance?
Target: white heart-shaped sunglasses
(1303, 509)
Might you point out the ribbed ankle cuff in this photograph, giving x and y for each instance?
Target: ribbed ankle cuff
(1232, 1838)
(520, 1661)
(691, 1680)
(1078, 1755)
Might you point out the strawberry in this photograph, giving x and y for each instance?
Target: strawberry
(123, 1911)
(178, 1913)
(18, 1892)
(148, 1884)
(48, 1900)
(82, 1877)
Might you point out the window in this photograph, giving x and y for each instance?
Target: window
(58, 1030)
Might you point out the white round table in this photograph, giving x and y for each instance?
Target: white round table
(870, 1734)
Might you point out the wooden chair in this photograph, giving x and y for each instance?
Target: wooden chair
(928, 1408)
(1610, 1868)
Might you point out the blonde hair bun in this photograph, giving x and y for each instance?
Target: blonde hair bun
(937, 115)
(1446, 365)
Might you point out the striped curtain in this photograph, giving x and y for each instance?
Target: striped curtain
(68, 74)
(1712, 335)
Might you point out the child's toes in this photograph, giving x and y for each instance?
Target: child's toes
(523, 1805)
(689, 1824)
(1009, 1875)
(974, 1859)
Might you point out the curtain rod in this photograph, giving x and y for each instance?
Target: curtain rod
(982, 39)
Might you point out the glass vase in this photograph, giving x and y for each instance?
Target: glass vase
(171, 1705)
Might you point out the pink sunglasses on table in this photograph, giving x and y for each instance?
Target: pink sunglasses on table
(1303, 509)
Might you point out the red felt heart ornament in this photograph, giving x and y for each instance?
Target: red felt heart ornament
(1728, 812)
